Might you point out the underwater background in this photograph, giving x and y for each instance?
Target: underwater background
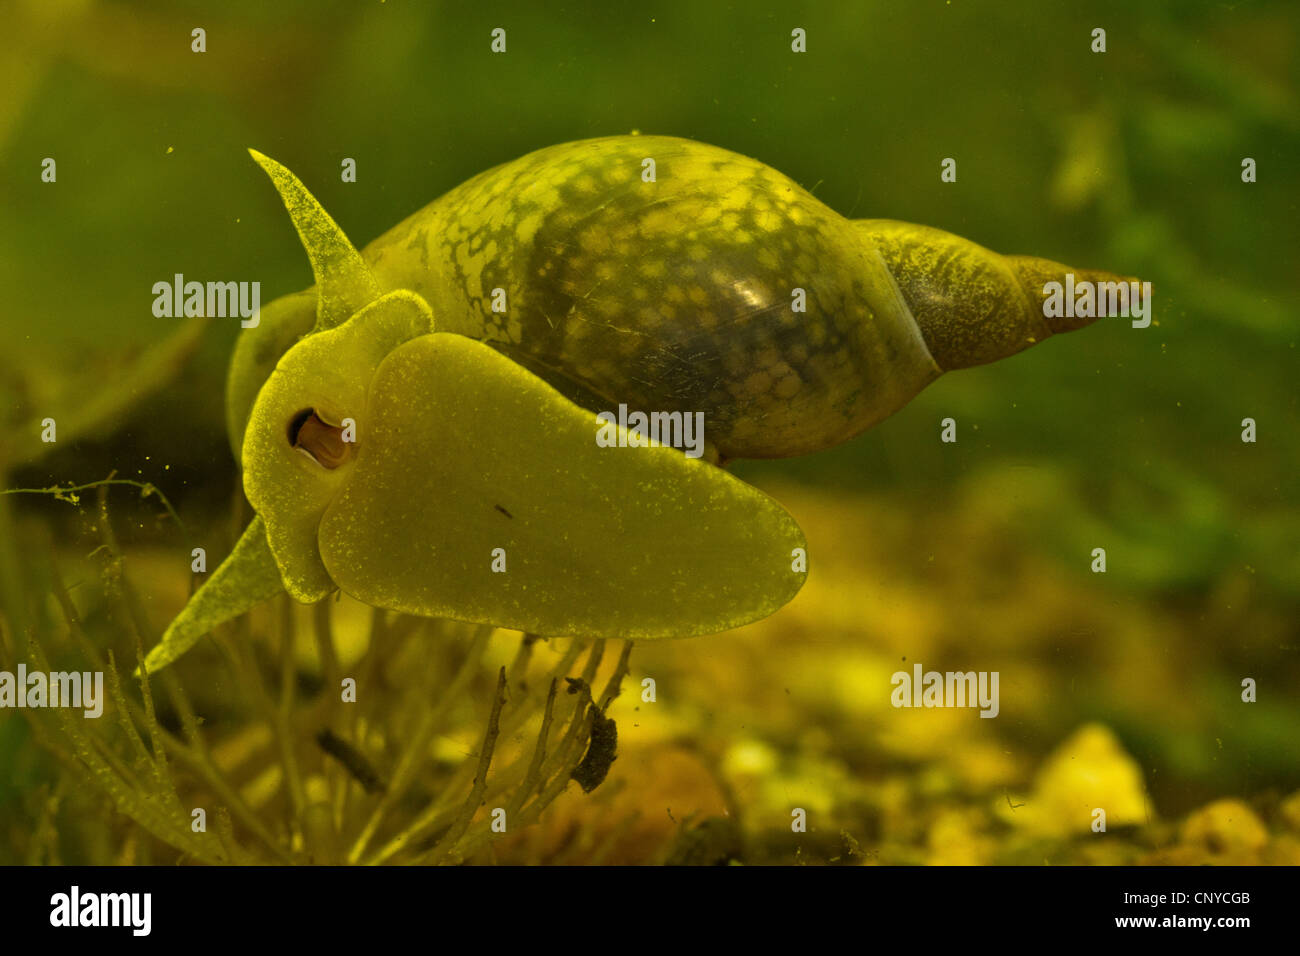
(1120, 689)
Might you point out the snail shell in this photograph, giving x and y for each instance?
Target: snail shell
(678, 294)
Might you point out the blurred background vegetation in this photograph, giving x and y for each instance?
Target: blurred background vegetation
(966, 556)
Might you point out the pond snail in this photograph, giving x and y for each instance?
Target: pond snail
(572, 281)
(676, 294)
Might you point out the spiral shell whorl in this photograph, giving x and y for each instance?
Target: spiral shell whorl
(973, 306)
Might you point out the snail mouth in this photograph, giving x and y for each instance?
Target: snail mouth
(320, 440)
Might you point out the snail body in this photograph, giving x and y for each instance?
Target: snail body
(419, 429)
(720, 287)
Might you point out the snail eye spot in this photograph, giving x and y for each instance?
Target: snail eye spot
(319, 440)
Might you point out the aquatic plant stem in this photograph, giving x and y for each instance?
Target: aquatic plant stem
(195, 756)
(68, 493)
(475, 798)
(418, 745)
